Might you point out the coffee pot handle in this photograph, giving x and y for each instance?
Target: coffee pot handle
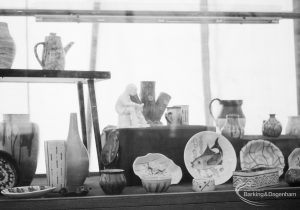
(210, 107)
(36, 54)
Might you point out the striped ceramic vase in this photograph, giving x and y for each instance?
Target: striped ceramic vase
(7, 47)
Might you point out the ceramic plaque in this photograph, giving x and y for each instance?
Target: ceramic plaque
(294, 158)
(156, 165)
(210, 155)
(261, 153)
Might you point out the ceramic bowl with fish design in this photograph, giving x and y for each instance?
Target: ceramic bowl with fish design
(210, 155)
(156, 166)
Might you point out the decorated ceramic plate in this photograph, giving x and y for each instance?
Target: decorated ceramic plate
(261, 153)
(156, 165)
(27, 192)
(294, 159)
(210, 155)
(8, 171)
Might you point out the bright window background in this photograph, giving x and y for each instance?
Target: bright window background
(250, 62)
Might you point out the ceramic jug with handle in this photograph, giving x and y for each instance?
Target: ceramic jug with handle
(228, 107)
(53, 56)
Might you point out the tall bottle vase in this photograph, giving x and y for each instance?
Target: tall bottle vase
(20, 138)
(77, 158)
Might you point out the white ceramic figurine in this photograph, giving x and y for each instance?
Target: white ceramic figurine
(130, 113)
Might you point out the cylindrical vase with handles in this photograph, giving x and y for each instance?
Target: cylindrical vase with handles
(7, 47)
(293, 126)
(227, 107)
(20, 138)
(77, 158)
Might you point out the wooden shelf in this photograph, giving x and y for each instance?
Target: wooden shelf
(177, 197)
(51, 76)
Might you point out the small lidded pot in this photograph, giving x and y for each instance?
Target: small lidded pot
(112, 181)
(272, 127)
(203, 184)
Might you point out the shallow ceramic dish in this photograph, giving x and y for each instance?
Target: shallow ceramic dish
(294, 159)
(156, 185)
(8, 171)
(210, 155)
(27, 192)
(261, 153)
(157, 165)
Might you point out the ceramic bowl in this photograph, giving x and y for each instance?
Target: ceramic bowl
(155, 184)
(203, 185)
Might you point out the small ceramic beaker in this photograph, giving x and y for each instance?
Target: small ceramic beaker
(173, 115)
(203, 184)
(55, 156)
(112, 181)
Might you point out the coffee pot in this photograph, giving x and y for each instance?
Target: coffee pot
(228, 107)
(53, 56)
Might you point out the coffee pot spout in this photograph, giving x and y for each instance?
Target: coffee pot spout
(66, 48)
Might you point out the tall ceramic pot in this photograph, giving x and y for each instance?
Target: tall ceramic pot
(293, 126)
(228, 107)
(77, 158)
(20, 138)
(7, 47)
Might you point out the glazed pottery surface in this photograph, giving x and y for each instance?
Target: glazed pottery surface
(55, 156)
(53, 56)
(272, 127)
(20, 138)
(232, 128)
(202, 185)
(293, 126)
(227, 107)
(9, 172)
(112, 181)
(156, 185)
(7, 47)
(77, 158)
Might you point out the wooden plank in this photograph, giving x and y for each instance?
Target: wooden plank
(51, 76)
(296, 5)
(133, 13)
(82, 112)
(96, 126)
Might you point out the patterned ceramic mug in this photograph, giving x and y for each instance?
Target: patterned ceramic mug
(202, 185)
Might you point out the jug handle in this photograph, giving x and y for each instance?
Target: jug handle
(210, 107)
(36, 54)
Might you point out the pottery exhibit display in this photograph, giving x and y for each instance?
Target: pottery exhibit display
(112, 181)
(232, 128)
(8, 171)
(255, 178)
(156, 165)
(20, 138)
(130, 114)
(203, 185)
(261, 153)
(55, 157)
(271, 127)
(293, 126)
(210, 155)
(227, 107)
(153, 109)
(77, 158)
(7, 47)
(156, 184)
(53, 56)
(27, 191)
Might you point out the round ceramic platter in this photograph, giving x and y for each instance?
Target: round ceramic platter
(27, 192)
(8, 171)
(210, 155)
(156, 165)
(261, 153)
(294, 159)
